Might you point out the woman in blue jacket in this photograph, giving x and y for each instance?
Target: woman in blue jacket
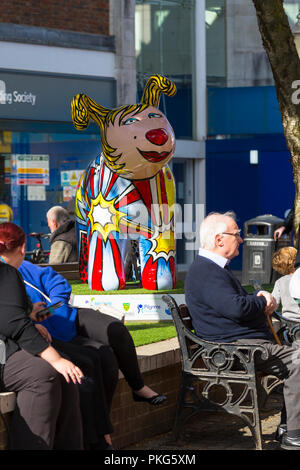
(47, 414)
(103, 334)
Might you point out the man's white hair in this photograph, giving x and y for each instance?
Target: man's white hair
(59, 214)
(213, 224)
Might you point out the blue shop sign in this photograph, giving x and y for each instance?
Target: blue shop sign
(47, 97)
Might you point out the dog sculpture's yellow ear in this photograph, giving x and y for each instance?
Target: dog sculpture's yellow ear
(156, 85)
(84, 108)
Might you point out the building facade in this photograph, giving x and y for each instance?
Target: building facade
(170, 40)
(107, 49)
(49, 52)
(244, 117)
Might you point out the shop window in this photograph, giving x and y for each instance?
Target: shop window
(215, 42)
(39, 170)
(164, 42)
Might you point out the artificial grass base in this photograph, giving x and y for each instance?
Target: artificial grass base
(131, 288)
(150, 332)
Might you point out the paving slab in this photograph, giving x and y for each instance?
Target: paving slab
(219, 431)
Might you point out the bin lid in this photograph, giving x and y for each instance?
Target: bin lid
(266, 219)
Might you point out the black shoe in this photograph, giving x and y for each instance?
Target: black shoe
(155, 400)
(290, 443)
(102, 444)
(282, 428)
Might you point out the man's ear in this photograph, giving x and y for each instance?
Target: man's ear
(55, 224)
(219, 240)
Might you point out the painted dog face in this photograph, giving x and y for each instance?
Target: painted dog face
(137, 140)
(144, 142)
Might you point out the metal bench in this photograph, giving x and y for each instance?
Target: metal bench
(70, 271)
(218, 376)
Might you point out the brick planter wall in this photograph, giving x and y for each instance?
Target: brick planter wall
(3, 435)
(134, 421)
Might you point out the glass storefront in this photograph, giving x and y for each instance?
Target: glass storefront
(41, 170)
(164, 43)
(42, 155)
(215, 42)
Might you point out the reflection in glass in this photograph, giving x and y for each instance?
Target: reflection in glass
(164, 32)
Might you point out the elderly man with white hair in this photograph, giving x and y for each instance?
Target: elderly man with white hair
(222, 311)
(63, 241)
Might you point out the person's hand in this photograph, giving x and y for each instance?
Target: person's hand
(37, 307)
(63, 366)
(68, 370)
(278, 232)
(44, 332)
(271, 302)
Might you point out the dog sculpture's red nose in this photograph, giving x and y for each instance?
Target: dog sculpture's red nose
(157, 136)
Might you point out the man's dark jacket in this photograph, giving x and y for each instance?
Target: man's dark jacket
(220, 308)
(66, 232)
(289, 221)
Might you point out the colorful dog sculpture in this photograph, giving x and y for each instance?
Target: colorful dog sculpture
(128, 191)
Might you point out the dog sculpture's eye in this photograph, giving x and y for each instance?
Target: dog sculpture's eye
(129, 121)
(154, 115)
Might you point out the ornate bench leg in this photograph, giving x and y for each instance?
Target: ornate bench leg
(256, 430)
(251, 417)
(257, 438)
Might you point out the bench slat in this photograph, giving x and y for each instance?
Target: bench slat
(70, 271)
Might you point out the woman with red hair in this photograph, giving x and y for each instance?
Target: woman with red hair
(47, 414)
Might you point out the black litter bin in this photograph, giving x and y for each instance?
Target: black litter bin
(258, 247)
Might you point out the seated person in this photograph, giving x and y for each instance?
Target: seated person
(286, 228)
(294, 286)
(107, 336)
(63, 240)
(47, 413)
(222, 311)
(283, 262)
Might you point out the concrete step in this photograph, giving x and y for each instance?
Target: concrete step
(7, 402)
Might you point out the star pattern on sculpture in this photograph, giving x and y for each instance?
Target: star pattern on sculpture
(104, 217)
(163, 243)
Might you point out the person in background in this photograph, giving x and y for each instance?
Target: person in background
(294, 285)
(283, 261)
(223, 311)
(63, 241)
(47, 414)
(287, 227)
